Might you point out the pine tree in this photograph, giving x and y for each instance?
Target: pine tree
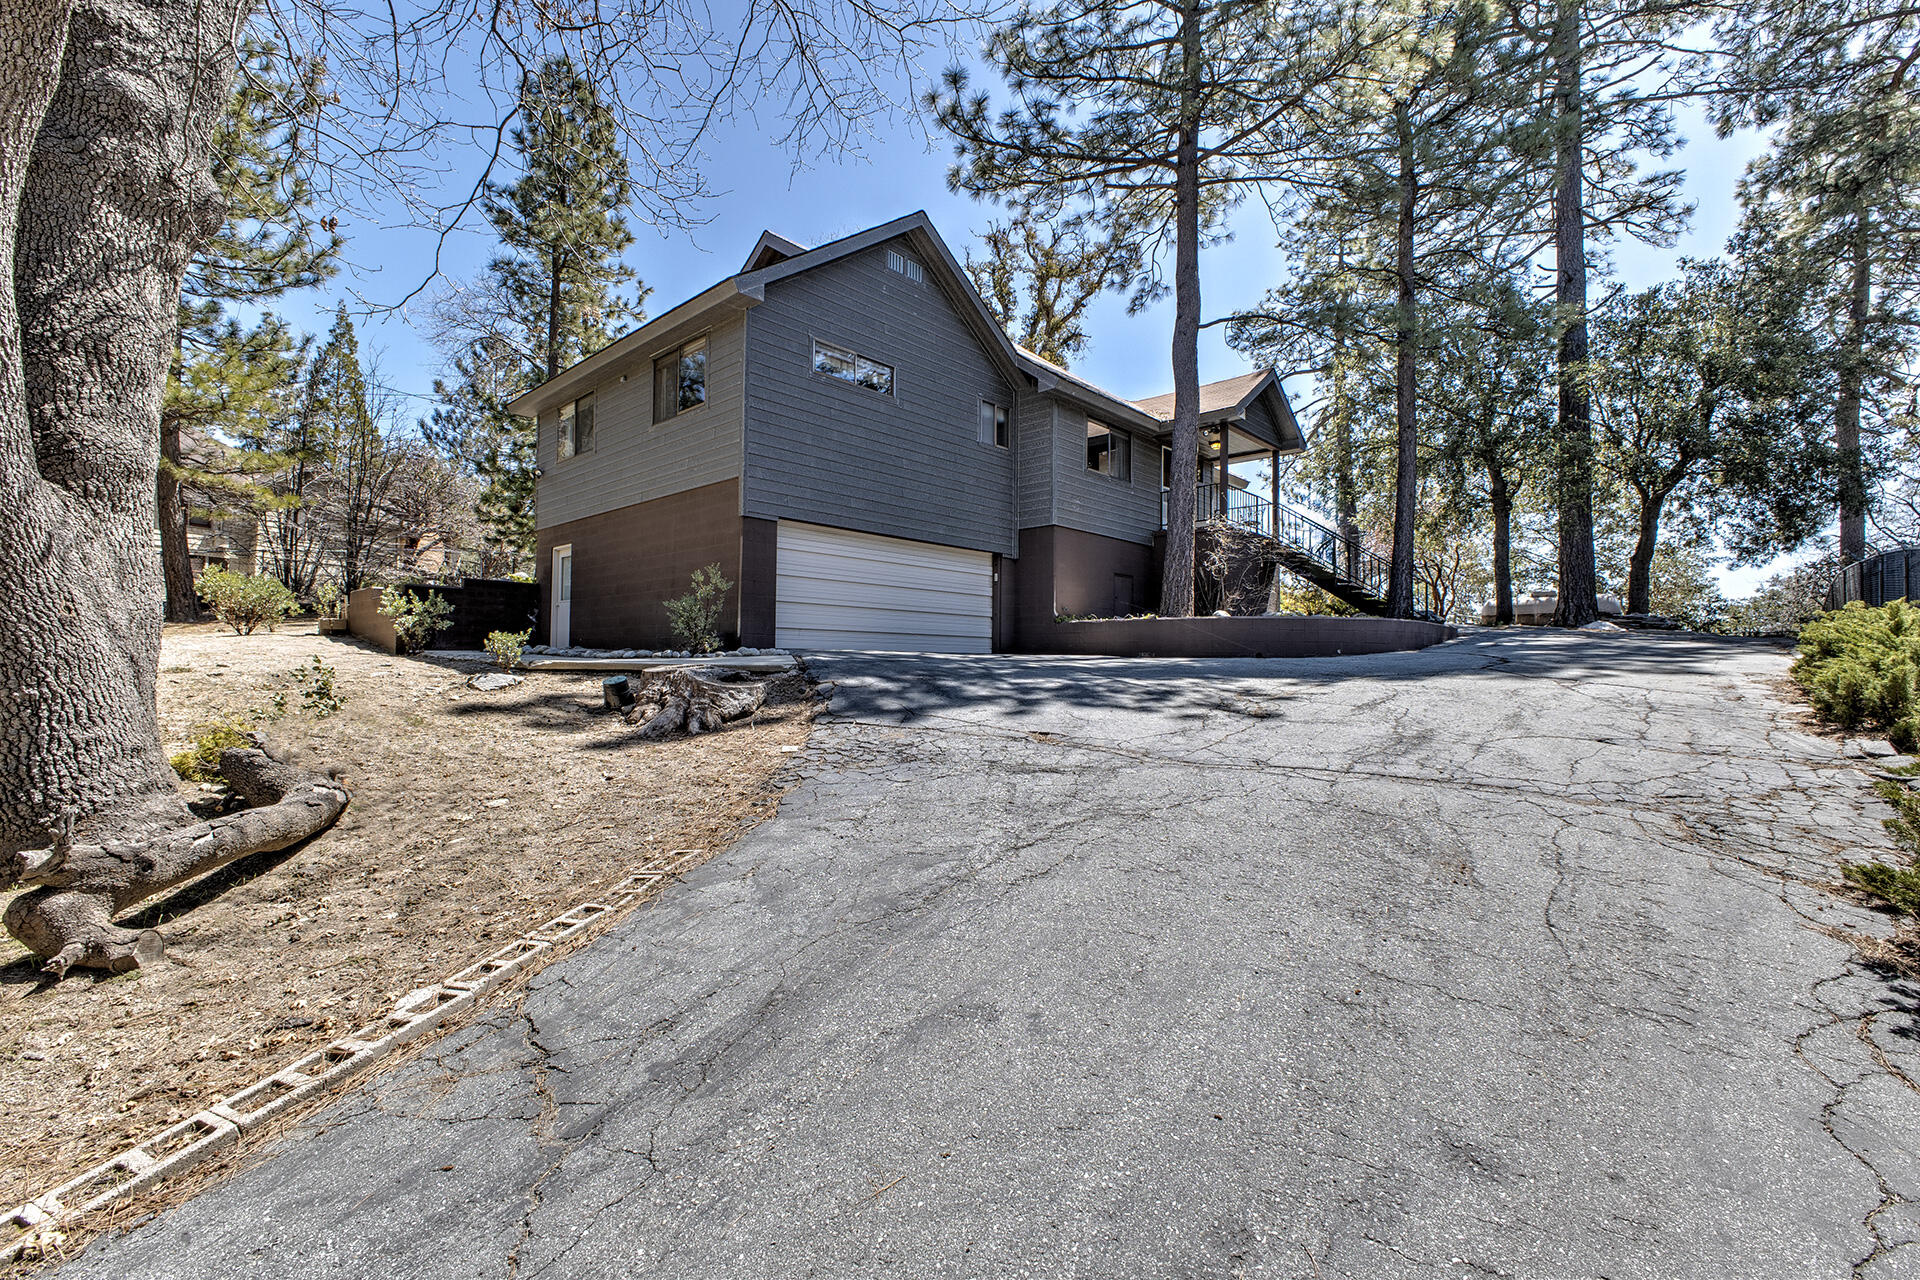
(1417, 152)
(554, 297)
(1490, 396)
(1834, 207)
(561, 223)
(1155, 117)
(1603, 75)
(271, 243)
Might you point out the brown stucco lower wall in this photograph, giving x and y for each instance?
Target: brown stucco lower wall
(1235, 637)
(1062, 570)
(759, 580)
(626, 562)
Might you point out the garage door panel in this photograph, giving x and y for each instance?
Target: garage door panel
(838, 589)
(892, 622)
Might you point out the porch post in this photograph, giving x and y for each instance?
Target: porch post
(1273, 493)
(1223, 486)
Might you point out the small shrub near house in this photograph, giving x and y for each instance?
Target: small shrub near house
(244, 603)
(507, 646)
(694, 618)
(418, 616)
(1859, 665)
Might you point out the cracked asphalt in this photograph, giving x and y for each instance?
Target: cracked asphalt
(1507, 958)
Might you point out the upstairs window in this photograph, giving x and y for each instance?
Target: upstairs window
(906, 266)
(680, 380)
(1109, 452)
(850, 366)
(995, 424)
(576, 426)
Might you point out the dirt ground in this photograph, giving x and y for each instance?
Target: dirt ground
(475, 816)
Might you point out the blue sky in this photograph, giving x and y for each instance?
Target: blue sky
(901, 169)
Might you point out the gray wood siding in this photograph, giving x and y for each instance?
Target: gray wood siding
(907, 465)
(634, 461)
(1098, 503)
(1033, 461)
(1260, 419)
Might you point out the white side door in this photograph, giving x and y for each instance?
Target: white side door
(560, 630)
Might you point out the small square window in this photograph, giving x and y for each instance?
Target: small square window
(576, 426)
(1108, 451)
(995, 424)
(680, 380)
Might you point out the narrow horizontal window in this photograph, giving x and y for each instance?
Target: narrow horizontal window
(849, 366)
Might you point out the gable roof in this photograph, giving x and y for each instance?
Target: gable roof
(774, 257)
(770, 249)
(1227, 398)
(1230, 398)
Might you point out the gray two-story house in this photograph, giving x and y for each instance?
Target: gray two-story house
(847, 433)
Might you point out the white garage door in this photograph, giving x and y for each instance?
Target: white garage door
(842, 590)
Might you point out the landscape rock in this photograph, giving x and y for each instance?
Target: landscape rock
(488, 681)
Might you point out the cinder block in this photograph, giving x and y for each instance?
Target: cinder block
(484, 975)
(403, 1027)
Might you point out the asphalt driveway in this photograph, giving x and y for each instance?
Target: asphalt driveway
(1497, 959)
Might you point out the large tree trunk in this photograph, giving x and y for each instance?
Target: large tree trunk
(183, 604)
(1846, 426)
(1573, 463)
(1640, 560)
(1502, 497)
(106, 110)
(1176, 586)
(1405, 366)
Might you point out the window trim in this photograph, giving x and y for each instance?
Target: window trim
(855, 359)
(676, 354)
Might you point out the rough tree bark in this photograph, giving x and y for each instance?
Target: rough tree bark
(176, 562)
(1653, 498)
(679, 698)
(1176, 588)
(1406, 404)
(1573, 464)
(1846, 429)
(106, 110)
(1502, 502)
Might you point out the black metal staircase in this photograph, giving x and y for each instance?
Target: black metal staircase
(1339, 566)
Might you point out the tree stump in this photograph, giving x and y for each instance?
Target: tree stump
(677, 698)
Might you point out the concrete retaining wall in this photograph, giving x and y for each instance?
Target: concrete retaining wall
(1236, 637)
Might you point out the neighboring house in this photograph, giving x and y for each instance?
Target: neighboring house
(847, 433)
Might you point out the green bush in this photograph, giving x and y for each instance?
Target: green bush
(200, 762)
(418, 616)
(695, 617)
(1858, 666)
(244, 603)
(507, 646)
(1898, 887)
